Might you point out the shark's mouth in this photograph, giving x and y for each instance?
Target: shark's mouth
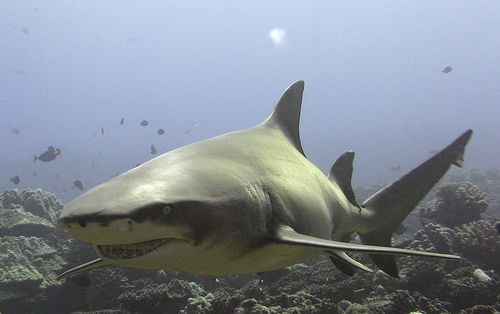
(124, 251)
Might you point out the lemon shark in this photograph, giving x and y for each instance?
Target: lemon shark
(248, 201)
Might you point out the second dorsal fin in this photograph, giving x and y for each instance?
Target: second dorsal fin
(341, 173)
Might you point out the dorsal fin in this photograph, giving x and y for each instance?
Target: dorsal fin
(341, 173)
(286, 114)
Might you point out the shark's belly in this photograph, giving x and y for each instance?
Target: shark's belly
(270, 257)
(221, 261)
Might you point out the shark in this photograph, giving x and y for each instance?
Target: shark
(248, 201)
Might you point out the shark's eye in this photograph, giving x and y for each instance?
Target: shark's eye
(166, 210)
(151, 212)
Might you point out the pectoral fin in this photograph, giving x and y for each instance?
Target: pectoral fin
(286, 235)
(345, 264)
(97, 263)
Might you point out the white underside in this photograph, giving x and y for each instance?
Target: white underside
(180, 255)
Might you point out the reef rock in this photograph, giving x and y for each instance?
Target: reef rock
(479, 242)
(28, 256)
(300, 302)
(16, 222)
(37, 202)
(162, 298)
(403, 301)
(29, 264)
(462, 290)
(457, 204)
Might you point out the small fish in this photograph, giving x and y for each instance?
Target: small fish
(395, 168)
(34, 174)
(144, 123)
(121, 121)
(447, 70)
(153, 149)
(102, 131)
(433, 151)
(497, 227)
(132, 39)
(49, 155)
(160, 131)
(136, 165)
(78, 184)
(187, 131)
(16, 131)
(25, 30)
(15, 180)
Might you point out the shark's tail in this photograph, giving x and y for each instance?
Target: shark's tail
(390, 206)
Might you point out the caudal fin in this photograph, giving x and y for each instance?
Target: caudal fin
(392, 204)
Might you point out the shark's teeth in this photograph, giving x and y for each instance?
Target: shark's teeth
(124, 251)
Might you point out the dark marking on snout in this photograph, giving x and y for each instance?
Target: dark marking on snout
(157, 211)
(104, 223)
(162, 213)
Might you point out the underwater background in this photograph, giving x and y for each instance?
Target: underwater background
(109, 85)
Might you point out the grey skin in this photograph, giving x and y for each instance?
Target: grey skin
(247, 201)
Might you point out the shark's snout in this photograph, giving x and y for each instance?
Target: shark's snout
(72, 222)
(100, 226)
(115, 230)
(69, 223)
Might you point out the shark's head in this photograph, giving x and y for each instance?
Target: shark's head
(176, 205)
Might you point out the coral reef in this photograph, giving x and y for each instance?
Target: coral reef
(33, 250)
(16, 222)
(487, 181)
(299, 302)
(28, 254)
(37, 202)
(462, 290)
(403, 301)
(457, 204)
(162, 298)
(479, 242)
(480, 309)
